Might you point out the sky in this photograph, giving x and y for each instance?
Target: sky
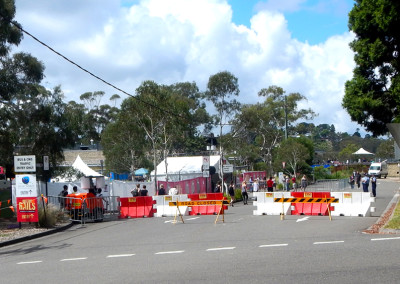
(299, 45)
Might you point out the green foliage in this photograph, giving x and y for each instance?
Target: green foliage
(322, 173)
(49, 216)
(371, 96)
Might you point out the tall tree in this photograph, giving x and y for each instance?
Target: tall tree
(221, 90)
(372, 95)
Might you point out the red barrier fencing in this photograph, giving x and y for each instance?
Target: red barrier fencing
(315, 209)
(137, 207)
(206, 210)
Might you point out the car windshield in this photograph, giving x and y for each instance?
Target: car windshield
(375, 168)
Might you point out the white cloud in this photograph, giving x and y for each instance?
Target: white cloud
(171, 41)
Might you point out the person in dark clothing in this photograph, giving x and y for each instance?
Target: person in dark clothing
(373, 184)
(161, 190)
(245, 196)
(144, 191)
(231, 191)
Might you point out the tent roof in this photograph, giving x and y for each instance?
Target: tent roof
(362, 151)
(185, 165)
(81, 166)
(141, 171)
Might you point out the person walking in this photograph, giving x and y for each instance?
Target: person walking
(373, 184)
(286, 182)
(231, 191)
(255, 185)
(358, 179)
(62, 196)
(294, 184)
(270, 185)
(351, 181)
(161, 190)
(245, 196)
(365, 182)
(303, 183)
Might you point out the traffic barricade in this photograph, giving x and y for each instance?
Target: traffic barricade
(137, 207)
(206, 210)
(352, 204)
(162, 208)
(266, 206)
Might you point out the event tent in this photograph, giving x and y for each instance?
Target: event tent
(362, 151)
(141, 172)
(81, 166)
(181, 168)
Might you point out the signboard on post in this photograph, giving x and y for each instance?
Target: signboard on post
(46, 165)
(227, 168)
(25, 164)
(26, 196)
(206, 166)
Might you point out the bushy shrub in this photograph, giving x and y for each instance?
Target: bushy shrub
(50, 217)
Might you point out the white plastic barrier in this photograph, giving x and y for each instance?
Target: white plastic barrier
(352, 204)
(163, 208)
(266, 205)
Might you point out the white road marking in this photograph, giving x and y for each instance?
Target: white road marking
(302, 219)
(194, 218)
(170, 252)
(120, 255)
(170, 221)
(224, 248)
(385, 239)
(73, 259)
(273, 245)
(331, 242)
(29, 262)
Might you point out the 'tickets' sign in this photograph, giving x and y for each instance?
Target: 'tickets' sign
(27, 209)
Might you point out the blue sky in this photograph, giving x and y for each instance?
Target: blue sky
(299, 45)
(308, 20)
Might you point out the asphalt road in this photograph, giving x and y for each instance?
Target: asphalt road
(246, 248)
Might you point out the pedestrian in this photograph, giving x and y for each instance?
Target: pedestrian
(365, 182)
(270, 185)
(62, 195)
(245, 196)
(303, 183)
(286, 182)
(358, 179)
(255, 185)
(135, 192)
(161, 190)
(143, 191)
(218, 187)
(294, 184)
(274, 183)
(373, 184)
(231, 191)
(351, 181)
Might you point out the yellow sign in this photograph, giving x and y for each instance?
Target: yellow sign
(132, 199)
(347, 195)
(307, 200)
(167, 198)
(198, 203)
(308, 194)
(269, 194)
(203, 196)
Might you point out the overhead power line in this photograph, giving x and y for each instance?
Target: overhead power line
(17, 25)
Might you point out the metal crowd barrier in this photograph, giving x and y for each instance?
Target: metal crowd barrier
(328, 185)
(92, 209)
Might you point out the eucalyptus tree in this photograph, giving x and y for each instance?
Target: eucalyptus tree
(221, 90)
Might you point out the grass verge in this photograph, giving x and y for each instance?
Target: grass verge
(394, 222)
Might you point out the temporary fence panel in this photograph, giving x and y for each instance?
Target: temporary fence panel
(266, 206)
(162, 208)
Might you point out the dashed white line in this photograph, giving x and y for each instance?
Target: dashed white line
(223, 248)
(331, 242)
(194, 218)
(73, 259)
(30, 262)
(385, 239)
(170, 252)
(273, 245)
(120, 255)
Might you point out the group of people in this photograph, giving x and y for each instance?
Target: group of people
(137, 191)
(291, 183)
(364, 180)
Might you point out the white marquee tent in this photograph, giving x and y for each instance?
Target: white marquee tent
(81, 166)
(182, 168)
(362, 151)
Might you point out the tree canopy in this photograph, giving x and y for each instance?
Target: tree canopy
(372, 95)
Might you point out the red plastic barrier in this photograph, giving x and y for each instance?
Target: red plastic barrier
(311, 208)
(206, 210)
(137, 207)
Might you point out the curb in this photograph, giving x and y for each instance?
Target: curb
(35, 236)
